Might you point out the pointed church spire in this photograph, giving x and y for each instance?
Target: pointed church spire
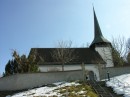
(97, 30)
(98, 37)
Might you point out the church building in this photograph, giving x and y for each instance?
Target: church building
(96, 57)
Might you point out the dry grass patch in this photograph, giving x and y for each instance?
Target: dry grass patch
(82, 90)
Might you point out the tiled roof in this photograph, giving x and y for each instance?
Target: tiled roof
(86, 55)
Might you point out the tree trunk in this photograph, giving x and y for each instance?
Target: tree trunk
(62, 66)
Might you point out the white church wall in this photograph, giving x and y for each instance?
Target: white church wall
(46, 68)
(95, 69)
(106, 54)
(88, 67)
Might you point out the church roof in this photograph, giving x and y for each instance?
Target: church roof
(86, 55)
(98, 37)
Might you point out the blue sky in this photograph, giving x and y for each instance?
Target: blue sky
(25, 24)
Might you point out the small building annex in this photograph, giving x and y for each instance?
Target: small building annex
(96, 57)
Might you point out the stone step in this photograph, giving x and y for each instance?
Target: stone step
(101, 89)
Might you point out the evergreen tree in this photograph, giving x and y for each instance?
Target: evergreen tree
(117, 59)
(21, 64)
(3, 74)
(119, 51)
(128, 58)
(25, 64)
(16, 68)
(32, 65)
(8, 68)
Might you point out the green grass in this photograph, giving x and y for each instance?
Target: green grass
(82, 90)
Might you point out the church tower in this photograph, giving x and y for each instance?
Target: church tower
(101, 44)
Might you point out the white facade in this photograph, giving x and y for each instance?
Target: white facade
(88, 67)
(106, 54)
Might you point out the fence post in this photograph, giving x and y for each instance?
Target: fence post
(108, 76)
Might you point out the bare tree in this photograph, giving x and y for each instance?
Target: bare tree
(119, 44)
(85, 45)
(128, 45)
(119, 50)
(63, 53)
(128, 50)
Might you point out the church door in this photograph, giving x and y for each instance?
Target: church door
(91, 75)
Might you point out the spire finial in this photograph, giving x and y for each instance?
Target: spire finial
(97, 29)
(93, 5)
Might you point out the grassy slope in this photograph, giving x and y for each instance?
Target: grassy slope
(82, 90)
